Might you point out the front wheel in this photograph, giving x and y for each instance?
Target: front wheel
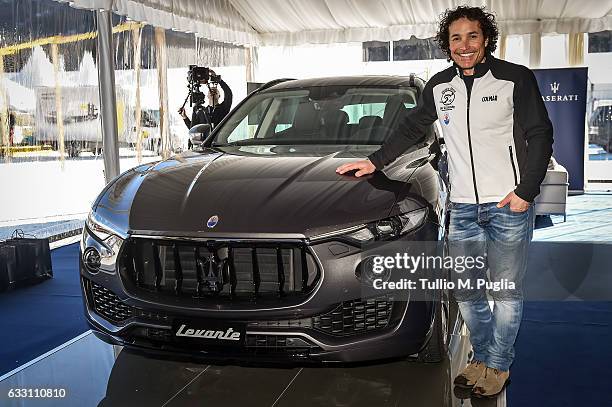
(437, 346)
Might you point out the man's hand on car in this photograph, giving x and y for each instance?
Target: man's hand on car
(363, 167)
(517, 204)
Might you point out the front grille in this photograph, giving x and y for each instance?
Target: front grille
(346, 319)
(107, 304)
(219, 270)
(355, 317)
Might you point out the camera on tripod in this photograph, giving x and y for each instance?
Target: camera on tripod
(197, 76)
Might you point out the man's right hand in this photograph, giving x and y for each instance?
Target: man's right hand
(363, 167)
(182, 112)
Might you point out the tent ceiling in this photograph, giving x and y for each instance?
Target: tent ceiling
(294, 22)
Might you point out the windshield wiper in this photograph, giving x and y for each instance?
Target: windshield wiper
(238, 143)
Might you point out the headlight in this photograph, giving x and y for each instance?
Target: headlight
(389, 228)
(97, 228)
(102, 228)
(100, 245)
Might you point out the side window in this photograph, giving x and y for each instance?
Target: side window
(285, 115)
(242, 131)
(247, 127)
(356, 112)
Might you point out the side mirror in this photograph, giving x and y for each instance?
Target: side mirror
(199, 133)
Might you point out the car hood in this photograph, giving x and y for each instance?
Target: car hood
(258, 192)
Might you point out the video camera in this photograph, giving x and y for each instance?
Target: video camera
(196, 76)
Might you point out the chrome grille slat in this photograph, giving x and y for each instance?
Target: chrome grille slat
(255, 268)
(157, 266)
(178, 270)
(280, 270)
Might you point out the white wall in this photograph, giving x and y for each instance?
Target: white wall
(346, 59)
(310, 61)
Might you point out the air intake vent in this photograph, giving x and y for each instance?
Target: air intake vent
(278, 342)
(108, 305)
(355, 317)
(348, 318)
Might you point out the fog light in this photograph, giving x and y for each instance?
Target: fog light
(370, 269)
(91, 258)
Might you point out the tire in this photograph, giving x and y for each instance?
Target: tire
(436, 348)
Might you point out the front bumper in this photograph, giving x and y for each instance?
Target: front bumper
(332, 325)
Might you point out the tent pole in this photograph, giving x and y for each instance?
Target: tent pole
(5, 145)
(138, 113)
(108, 99)
(59, 114)
(162, 73)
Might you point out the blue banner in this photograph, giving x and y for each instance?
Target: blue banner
(564, 93)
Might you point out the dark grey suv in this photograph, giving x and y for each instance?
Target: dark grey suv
(252, 246)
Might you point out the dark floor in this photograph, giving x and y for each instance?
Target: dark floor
(91, 375)
(36, 319)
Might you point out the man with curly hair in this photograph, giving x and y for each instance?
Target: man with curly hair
(499, 140)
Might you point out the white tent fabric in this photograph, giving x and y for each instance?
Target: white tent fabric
(295, 22)
(216, 20)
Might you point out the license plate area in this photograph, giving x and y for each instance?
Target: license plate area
(210, 333)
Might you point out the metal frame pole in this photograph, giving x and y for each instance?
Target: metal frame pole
(108, 99)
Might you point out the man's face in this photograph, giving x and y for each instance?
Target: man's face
(467, 44)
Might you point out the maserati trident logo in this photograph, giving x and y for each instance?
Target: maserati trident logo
(228, 335)
(554, 87)
(557, 96)
(212, 221)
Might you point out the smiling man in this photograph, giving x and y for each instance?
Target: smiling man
(499, 141)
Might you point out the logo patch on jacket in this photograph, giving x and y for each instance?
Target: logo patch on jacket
(446, 119)
(448, 96)
(492, 98)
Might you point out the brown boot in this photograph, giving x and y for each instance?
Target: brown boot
(470, 375)
(491, 383)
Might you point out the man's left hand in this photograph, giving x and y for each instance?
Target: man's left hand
(516, 203)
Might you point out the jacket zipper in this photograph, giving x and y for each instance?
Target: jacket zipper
(513, 167)
(469, 94)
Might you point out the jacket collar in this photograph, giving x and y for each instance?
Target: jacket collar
(480, 69)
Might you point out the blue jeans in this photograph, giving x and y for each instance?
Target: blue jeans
(502, 238)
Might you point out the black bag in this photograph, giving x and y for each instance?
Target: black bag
(24, 260)
(8, 267)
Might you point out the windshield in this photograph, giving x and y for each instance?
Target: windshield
(331, 115)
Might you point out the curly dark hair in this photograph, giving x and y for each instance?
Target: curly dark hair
(488, 25)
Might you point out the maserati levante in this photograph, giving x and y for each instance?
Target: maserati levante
(251, 245)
